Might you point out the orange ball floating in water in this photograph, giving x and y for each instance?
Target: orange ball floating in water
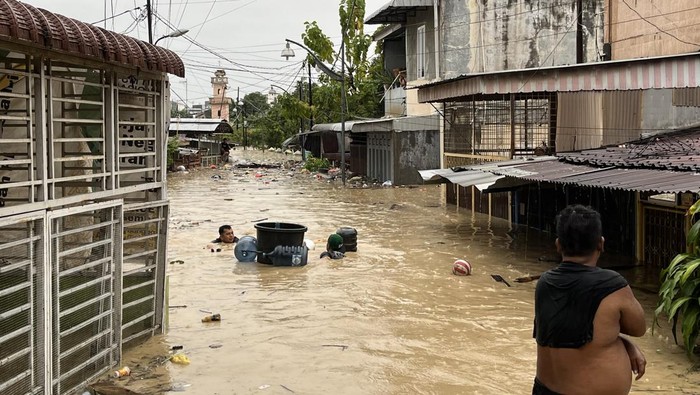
(461, 268)
(212, 166)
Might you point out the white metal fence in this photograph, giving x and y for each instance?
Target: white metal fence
(83, 219)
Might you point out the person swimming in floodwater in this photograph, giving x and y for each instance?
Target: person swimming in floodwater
(334, 247)
(226, 235)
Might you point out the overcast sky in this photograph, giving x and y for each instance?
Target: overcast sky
(249, 33)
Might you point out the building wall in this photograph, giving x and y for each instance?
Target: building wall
(415, 151)
(659, 113)
(632, 33)
(481, 36)
(395, 102)
(413, 107)
(594, 119)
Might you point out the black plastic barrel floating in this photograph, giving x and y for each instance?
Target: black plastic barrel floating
(273, 234)
(349, 238)
(289, 256)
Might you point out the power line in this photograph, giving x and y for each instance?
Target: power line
(657, 27)
(114, 16)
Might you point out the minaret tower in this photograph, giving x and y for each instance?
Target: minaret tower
(219, 101)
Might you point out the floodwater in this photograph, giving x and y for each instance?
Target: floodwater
(387, 319)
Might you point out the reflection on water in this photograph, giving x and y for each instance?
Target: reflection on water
(388, 319)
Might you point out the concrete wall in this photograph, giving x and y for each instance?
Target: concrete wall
(632, 35)
(484, 36)
(659, 113)
(395, 102)
(594, 119)
(415, 151)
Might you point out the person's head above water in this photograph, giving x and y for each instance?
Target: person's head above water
(579, 231)
(335, 243)
(226, 234)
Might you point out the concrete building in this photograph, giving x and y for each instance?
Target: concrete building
(520, 79)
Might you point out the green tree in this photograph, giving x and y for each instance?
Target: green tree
(255, 104)
(364, 78)
(280, 122)
(174, 113)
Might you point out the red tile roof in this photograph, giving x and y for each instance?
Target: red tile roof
(38, 28)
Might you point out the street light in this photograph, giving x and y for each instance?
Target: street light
(272, 90)
(176, 33)
(287, 53)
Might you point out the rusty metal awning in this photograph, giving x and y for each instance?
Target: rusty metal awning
(638, 180)
(485, 177)
(23, 24)
(677, 150)
(502, 175)
(676, 71)
(397, 11)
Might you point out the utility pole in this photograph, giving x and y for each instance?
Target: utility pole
(311, 100)
(238, 110)
(301, 99)
(150, 21)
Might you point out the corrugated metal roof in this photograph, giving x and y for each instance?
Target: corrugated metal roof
(398, 124)
(670, 151)
(196, 125)
(24, 24)
(331, 127)
(641, 180)
(677, 71)
(485, 177)
(396, 11)
(494, 177)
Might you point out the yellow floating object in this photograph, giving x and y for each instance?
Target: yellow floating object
(180, 359)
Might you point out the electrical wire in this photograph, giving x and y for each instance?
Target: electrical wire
(657, 27)
(115, 16)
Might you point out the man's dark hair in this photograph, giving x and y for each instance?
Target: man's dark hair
(224, 228)
(579, 230)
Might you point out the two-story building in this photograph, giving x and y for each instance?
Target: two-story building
(520, 79)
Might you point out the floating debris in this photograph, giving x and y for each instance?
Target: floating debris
(180, 359)
(343, 346)
(500, 279)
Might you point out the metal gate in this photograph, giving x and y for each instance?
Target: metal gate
(22, 283)
(380, 161)
(143, 278)
(664, 234)
(85, 254)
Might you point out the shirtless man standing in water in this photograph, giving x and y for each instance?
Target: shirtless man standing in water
(581, 311)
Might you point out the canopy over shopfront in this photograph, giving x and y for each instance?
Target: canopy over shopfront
(198, 126)
(677, 71)
(496, 178)
(397, 11)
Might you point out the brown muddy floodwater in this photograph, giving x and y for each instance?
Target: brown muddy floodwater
(388, 319)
